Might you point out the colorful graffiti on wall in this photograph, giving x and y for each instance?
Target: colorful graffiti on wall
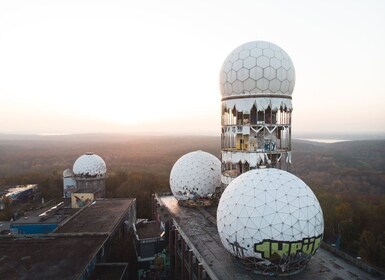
(79, 200)
(272, 248)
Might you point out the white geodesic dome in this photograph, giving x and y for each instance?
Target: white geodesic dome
(89, 164)
(257, 67)
(271, 217)
(196, 174)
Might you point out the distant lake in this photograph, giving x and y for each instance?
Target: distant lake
(328, 141)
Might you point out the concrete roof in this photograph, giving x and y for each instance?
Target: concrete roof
(198, 228)
(52, 257)
(55, 217)
(101, 216)
(4, 226)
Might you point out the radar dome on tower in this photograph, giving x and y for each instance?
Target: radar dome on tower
(90, 164)
(256, 82)
(257, 67)
(195, 174)
(270, 220)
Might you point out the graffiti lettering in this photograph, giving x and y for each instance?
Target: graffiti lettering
(269, 247)
(237, 248)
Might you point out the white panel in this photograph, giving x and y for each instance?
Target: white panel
(227, 67)
(250, 62)
(263, 44)
(256, 52)
(281, 74)
(256, 73)
(268, 52)
(243, 54)
(231, 76)
(237, 86)
(278, 55)
(263, 61)
(237, 65)
(285, 64)
(249, 84)
(243, 74)
(275, 85)
(290, 74)
(269, 73)
(262, 84)
(228, 88)
(285, 86)
(275, 63)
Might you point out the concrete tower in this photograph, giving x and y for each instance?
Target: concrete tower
(90, 174)
(256, 81)
(69, 183)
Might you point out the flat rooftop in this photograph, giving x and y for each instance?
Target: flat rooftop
(101, 216)
(51, 257)
(198, 228)
(53, 216)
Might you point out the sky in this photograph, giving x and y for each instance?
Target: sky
(153, 66)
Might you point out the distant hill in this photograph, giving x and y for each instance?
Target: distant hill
(359, 164)
(353, 166)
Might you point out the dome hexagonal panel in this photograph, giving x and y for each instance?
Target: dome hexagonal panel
(195, 174)
(89, 164)
(263, 59)
(271, 217)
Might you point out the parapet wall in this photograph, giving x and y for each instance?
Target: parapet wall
(353, 260)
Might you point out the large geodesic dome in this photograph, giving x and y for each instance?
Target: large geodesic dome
(270, 220)
(257, 67)
(90, 165)
(196, 174)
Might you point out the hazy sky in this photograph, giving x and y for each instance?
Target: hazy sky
(123, 66)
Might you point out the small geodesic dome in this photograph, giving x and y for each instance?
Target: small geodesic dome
(90, 165)
(196, 174)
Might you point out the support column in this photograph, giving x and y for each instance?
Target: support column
(183, 260)
(176, 257)
(200, 270)
(190, 254)
(171, 247)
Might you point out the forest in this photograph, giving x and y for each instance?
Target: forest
(348, 178)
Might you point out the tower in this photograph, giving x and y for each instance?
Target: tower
(69, 183)
(256, 82)
(90, 173)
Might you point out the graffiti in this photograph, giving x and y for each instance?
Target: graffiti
(269, 145)
(68, 190)
(80, 200)
(268, 247)
(237, 248)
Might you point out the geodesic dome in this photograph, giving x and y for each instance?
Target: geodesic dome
(270, 220)
(257, 67)
(196, 174)
(90, 165)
